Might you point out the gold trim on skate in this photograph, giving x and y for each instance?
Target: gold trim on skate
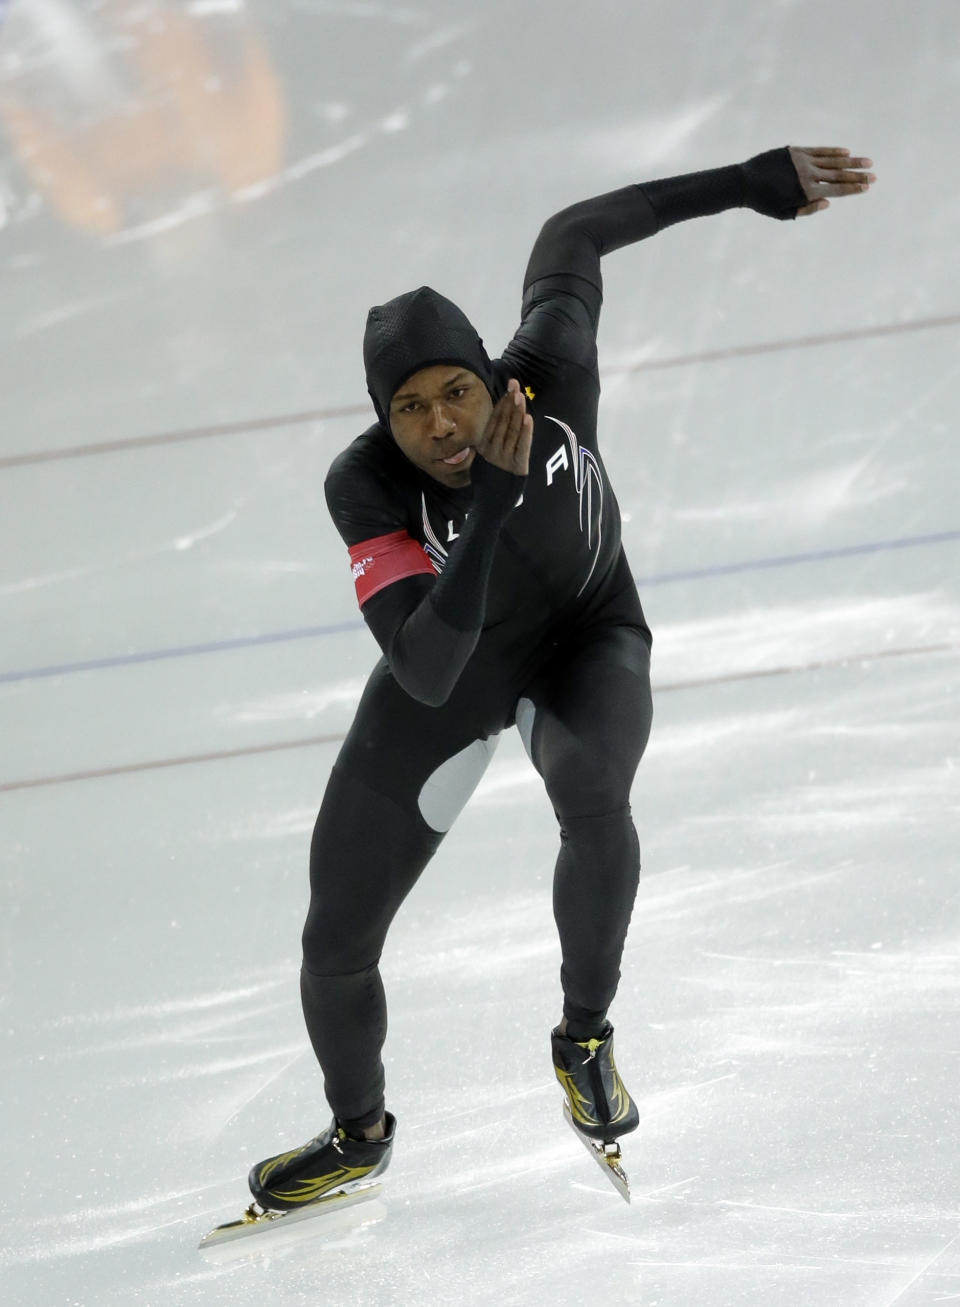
(577, 1102)
(309, 1189)
(621, 1099)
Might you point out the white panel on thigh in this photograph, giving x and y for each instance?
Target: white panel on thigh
(447, 790)
(525, 714)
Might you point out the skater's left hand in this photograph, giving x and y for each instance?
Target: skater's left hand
(829, 171)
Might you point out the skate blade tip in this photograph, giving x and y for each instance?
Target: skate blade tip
(609, 1163)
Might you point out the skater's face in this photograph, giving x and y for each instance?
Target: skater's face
(437, 416)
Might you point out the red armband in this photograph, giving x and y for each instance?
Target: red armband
(385, 559)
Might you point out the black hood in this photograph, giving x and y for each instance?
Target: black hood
(417, 330)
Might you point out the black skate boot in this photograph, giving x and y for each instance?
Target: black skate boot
(334, 1162)
(598, 1102)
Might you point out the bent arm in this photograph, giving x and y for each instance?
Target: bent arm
(429, 629)
(426, 626)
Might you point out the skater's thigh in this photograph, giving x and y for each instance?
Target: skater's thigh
(586, 719)
(427, 761)
(402, 777)
(366, 855)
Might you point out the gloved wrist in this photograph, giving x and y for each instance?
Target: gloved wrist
(494, 489)
(771, 185)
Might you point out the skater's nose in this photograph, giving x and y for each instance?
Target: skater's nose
(440, 421)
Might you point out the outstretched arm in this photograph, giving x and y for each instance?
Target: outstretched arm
(785, 183)
(788, 183)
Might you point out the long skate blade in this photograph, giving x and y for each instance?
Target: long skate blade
(607, 1157)
(255, 1221)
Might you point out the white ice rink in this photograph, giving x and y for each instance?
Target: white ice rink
(198, 202)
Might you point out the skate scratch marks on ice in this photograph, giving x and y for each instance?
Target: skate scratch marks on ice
(172, 1007)
(84, 1216)
(549, 1160)
(770, 962)
(791, 633)
(51, 578)
(213, 1030)
(493, 1102)
(791, 1211)
(81, 1246)
(666, 1188)
(651, 1195)
(695, 900)
(919, 1274)
(250, 1098)
(702, 1264)
(218, 1067)
(204, 533)
(294, 705)
(656, 1104)
(63, 313)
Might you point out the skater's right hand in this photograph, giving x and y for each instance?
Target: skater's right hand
(508, 434)
(825, 171)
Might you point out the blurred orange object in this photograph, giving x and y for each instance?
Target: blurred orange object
(116, 111)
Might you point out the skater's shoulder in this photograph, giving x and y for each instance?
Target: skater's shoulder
(372, 453)
(368, 481)
(372, 462)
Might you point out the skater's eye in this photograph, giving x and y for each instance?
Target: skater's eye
(458, 392)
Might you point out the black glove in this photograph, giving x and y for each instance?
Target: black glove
(495, 491)
(771, 184)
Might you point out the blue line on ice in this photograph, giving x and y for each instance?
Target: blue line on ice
(339, 628)
(788, 560)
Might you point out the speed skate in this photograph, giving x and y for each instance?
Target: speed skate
(329, 1173)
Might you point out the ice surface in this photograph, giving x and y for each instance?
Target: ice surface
(197, 204)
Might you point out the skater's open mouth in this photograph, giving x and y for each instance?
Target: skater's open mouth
(454, 459)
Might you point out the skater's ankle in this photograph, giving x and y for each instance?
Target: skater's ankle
(582, 1032)
(362, 1128)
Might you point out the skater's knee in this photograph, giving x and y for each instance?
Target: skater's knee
(587, 782)
(338, 976)
(328, 951)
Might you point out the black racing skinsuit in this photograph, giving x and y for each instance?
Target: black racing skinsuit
(523, 614)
